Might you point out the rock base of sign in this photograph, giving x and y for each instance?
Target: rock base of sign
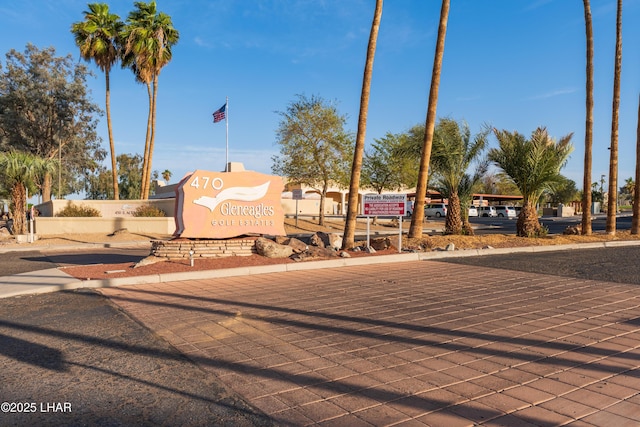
(326, 240)
(318, 246)
(202, 248)
(381, 243)
(270, 249)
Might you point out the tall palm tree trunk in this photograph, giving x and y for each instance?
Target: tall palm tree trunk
(635, 220)
(415, 230)
(588, 134)
(348, 240)
(612, 205)
(112, 148)
(147, 141)
(147, 182)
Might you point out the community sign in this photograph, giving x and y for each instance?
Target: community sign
(219, 205)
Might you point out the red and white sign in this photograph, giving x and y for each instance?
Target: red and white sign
(384, 204)
(218, 205)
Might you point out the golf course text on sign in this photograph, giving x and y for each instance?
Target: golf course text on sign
(218, 205)
(384, 204)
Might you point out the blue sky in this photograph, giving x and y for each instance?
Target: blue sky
(515, 65)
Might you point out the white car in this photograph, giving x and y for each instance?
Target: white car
(487, 211)
(435, 209)
(506, 211)
(473, 211)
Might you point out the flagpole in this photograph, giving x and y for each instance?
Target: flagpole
(226, 120)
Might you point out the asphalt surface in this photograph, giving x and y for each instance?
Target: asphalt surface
(555, 225)
(75, 359)
(23, 262)
(616, 264)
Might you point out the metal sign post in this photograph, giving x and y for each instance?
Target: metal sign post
(385, 205)
(297, 195)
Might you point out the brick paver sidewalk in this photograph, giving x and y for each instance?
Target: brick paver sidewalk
(422, 343)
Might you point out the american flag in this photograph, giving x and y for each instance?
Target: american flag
(220, 114)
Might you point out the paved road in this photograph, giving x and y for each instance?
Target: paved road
(618, 264)
(97, 366)
(22, 262)
(555, 225)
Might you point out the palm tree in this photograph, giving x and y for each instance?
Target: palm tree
(148, 39)
(415, 230)
(453, 153)
(533, 165)
(97, 38)
(612, 202)
(19, 170)
(635, 220)
(465, 193)
(588, 134)
(166, 175)
(629, 186)
(348, 240)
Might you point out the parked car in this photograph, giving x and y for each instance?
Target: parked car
(435, 209)
(473, 211)
(506, 211)
(487, 211)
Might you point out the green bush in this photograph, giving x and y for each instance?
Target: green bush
(72, 210)
(149, 211)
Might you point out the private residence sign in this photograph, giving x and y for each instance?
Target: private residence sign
(219, 205)
(384, 204)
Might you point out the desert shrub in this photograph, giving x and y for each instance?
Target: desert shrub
(73, 210)
(149, 211)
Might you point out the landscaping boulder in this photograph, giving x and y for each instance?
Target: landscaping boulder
(316, 240)
(331, 240)
(270, 249)
(151, 259)
(297, 245)
(282, 240)
(315, 252)
(571, 230)
(381, 243)
(4, 233)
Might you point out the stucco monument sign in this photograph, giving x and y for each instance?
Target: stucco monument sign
(220, 205)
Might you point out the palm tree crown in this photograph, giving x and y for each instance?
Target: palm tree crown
(149, 36)
(97, 36)
(534, 166)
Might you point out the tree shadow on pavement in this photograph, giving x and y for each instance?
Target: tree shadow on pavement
(32, 353)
